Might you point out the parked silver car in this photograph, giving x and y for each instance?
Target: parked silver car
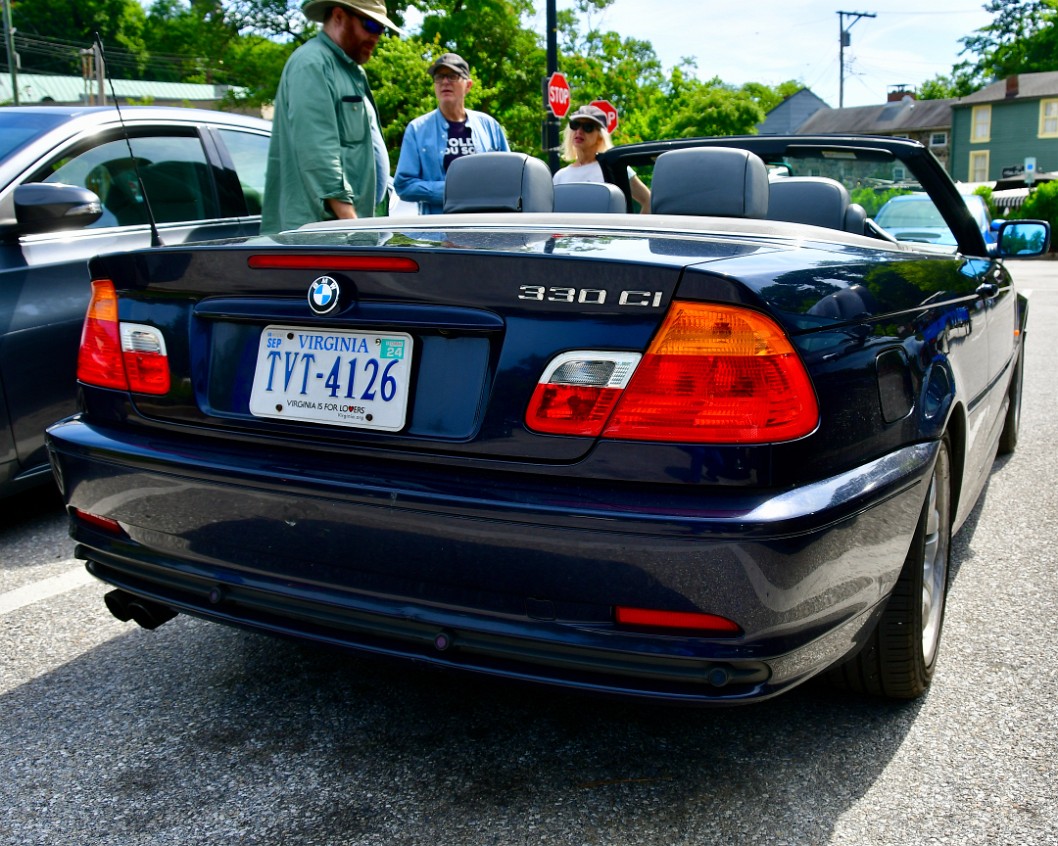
(69, 189)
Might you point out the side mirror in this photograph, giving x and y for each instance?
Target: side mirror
(53, 206)
(1023, 238)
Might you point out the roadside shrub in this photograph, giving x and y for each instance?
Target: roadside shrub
(1042, 204)
(985, 192)
(872, 200)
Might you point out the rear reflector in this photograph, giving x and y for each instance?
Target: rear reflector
(112, 527)
(389, 264)
(706, 624)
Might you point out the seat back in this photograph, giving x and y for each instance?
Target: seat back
(178, 191)
(713, 181)
(601, 197)
(856, 219)
(498, 182)
(814, 200)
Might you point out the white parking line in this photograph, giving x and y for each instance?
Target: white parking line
(46, 588)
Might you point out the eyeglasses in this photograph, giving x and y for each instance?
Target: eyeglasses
(447, 77)
(372, 27)
(584, 126)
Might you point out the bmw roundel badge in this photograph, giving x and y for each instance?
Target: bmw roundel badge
(323, 295)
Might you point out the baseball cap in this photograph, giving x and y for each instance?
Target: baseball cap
(592, 113)
(452, 61)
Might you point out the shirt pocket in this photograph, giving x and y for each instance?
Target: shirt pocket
(352, 120)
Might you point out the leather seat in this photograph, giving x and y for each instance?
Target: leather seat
(599, 197)
(498, 182)
(712, 181)
(817, 201)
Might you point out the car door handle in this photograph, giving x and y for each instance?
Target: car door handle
(987, 290)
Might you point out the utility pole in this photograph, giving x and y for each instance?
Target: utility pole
(93, 72)
(551, 122)
(844, 41)
(12, 56)
(101, 69)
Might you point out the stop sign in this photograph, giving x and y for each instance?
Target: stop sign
(610, 110)
(558, 94)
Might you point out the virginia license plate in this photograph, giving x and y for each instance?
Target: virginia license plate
(341, 378)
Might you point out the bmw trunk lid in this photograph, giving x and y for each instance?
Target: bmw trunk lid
(417, 341)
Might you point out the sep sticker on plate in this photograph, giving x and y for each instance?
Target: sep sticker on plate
(339, 378)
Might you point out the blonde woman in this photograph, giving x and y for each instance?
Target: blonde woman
(584, 137)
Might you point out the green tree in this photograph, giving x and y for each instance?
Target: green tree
(943, 87)
(601, 65)
(189, 42)
(1042, 204)
(712, 108)
(51, 35)
(1022, 38)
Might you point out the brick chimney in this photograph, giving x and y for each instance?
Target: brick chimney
(899, 93)
(1012, 86)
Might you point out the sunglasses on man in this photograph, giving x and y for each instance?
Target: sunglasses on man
(584, 126)
(372, 27)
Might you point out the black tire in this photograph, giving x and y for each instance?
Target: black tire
(1008, 440)
(898, 660)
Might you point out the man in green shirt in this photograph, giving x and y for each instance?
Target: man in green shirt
(322, 160)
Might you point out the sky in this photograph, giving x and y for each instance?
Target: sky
(772, 41)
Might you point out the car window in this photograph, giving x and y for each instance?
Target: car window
(173, 170)
(912, 212)
(249, 152)
(19, 128)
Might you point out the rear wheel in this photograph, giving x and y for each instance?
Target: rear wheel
(899, 658)
(1008, 440)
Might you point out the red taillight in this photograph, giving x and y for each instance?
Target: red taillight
(390, 264)
(99, 360)
(126, 356)
(713, 374)
(718, 374)
(704, 624)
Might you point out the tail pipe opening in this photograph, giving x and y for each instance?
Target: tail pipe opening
(147, 614)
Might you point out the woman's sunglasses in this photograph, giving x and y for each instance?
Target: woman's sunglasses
(372, 27)
(584, 126)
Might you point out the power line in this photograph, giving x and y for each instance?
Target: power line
(45, 48)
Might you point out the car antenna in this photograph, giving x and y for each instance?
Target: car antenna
(156, 240)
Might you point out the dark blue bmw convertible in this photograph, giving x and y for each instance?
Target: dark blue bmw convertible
(698, 455)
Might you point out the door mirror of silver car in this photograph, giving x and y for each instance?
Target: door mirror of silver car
(52, 207)
(1023, 238)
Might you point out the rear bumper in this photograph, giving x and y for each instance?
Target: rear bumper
(510, 576)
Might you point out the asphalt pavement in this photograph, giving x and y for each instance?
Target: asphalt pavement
(200, 734)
